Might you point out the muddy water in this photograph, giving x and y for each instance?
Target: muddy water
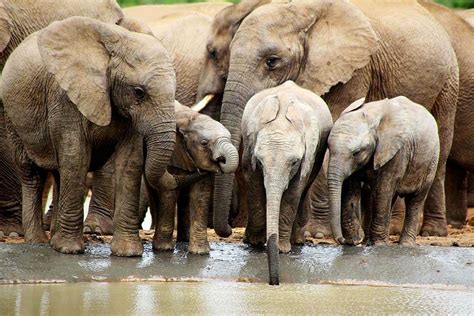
(223, 297)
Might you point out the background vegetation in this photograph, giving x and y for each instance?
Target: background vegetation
(125, 3)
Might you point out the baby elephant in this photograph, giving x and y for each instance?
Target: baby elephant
(202, 145)
(392, 146)
(285, 131)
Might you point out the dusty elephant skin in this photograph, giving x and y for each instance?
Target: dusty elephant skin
(344, 52)
(128, 111)
(202, 145)
(461, 157)
(392, 147)
(284, 139)
(18, 19)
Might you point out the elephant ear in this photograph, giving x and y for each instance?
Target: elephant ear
(230, 18)
(5, 27)
(357, 104)
(339, 39)
(135, 25)
(75, 52)
(392, 133)
(303, 119)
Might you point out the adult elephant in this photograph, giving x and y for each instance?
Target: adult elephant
(18, 19)
(92, 90)
(461, 157)
(467, 15)
(344, 52)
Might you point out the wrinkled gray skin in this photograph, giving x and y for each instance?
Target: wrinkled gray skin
(92, 90)
(285, 130)
(344, 52)
(18, 19)
(202, 145)
(392, 147)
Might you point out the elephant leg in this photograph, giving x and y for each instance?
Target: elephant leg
(164, 210)
(456, 195)
(350, 215)
(67, 237)
(366, 210)
(54, 206)
(255, 231)
(383, 196)
(182, 234)
(398, 217)
(288, 218)
(32, 184)
(414, 208)
(10, 186)
(470, 190)
(239, 207)
(444, 109)
(317, 203)
(128, 171)
(100, 217)
(199, 199)
(47, 217)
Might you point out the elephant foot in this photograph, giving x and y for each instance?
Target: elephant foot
(284, 246)
(199, 248)
(396, 227)
(317, 229)
(127, 247)
(434, 229)
(456, 224)
(36, 237)
(160, 244)
(99, 224)
(255, 240)
(407, 242)
(298, 237)
(353, 241)
(67, 244)
(10, 226)
(378, 242)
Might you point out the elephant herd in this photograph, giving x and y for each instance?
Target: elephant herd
(302, 117)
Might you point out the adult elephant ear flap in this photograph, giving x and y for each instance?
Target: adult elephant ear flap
(5, 28)
(339, 39)
(77, 52)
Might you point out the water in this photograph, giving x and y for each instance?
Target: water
(226, 298)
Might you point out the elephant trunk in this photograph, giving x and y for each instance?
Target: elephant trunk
(226, 154)
(170, 182)
(235, 98)
(159, 130)
(335, 181)
(274, 194)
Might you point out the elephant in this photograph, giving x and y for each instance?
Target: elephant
(202, 145)
(392, 147)
(467, 15)
(461, 157)
(94, 92)
(19, 19)
(344, 51)
(285, 131)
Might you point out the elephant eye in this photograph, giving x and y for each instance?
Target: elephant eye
(272, 62)
(139, 92)
(204, 142)
(356, 153)
(212, 54)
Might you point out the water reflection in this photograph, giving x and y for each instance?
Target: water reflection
(222, 297)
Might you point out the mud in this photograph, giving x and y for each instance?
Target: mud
(226, 298)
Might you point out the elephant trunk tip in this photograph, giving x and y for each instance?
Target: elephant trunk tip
(273, 260)
(224, 232)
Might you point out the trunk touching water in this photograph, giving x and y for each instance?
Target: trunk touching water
(227, 155)
(235, 98)
(335, 181)
(274, 194)
(159, 138)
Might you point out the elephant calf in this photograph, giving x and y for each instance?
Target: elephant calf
(285, 130)
(392, 146)
(202, 144)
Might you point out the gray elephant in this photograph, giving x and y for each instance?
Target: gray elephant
(18, 19)
(392, 146)
(344, 52)
(92, 90)
(202, 145)
(285, 130)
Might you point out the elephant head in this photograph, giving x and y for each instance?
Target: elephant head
(317, 44)
(107, 71)
(205, 143)
(363, 134)
(216, 60)
(282, 131)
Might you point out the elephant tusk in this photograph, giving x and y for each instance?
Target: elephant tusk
(198, 107)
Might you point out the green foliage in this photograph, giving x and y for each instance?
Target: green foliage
(126, 3)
